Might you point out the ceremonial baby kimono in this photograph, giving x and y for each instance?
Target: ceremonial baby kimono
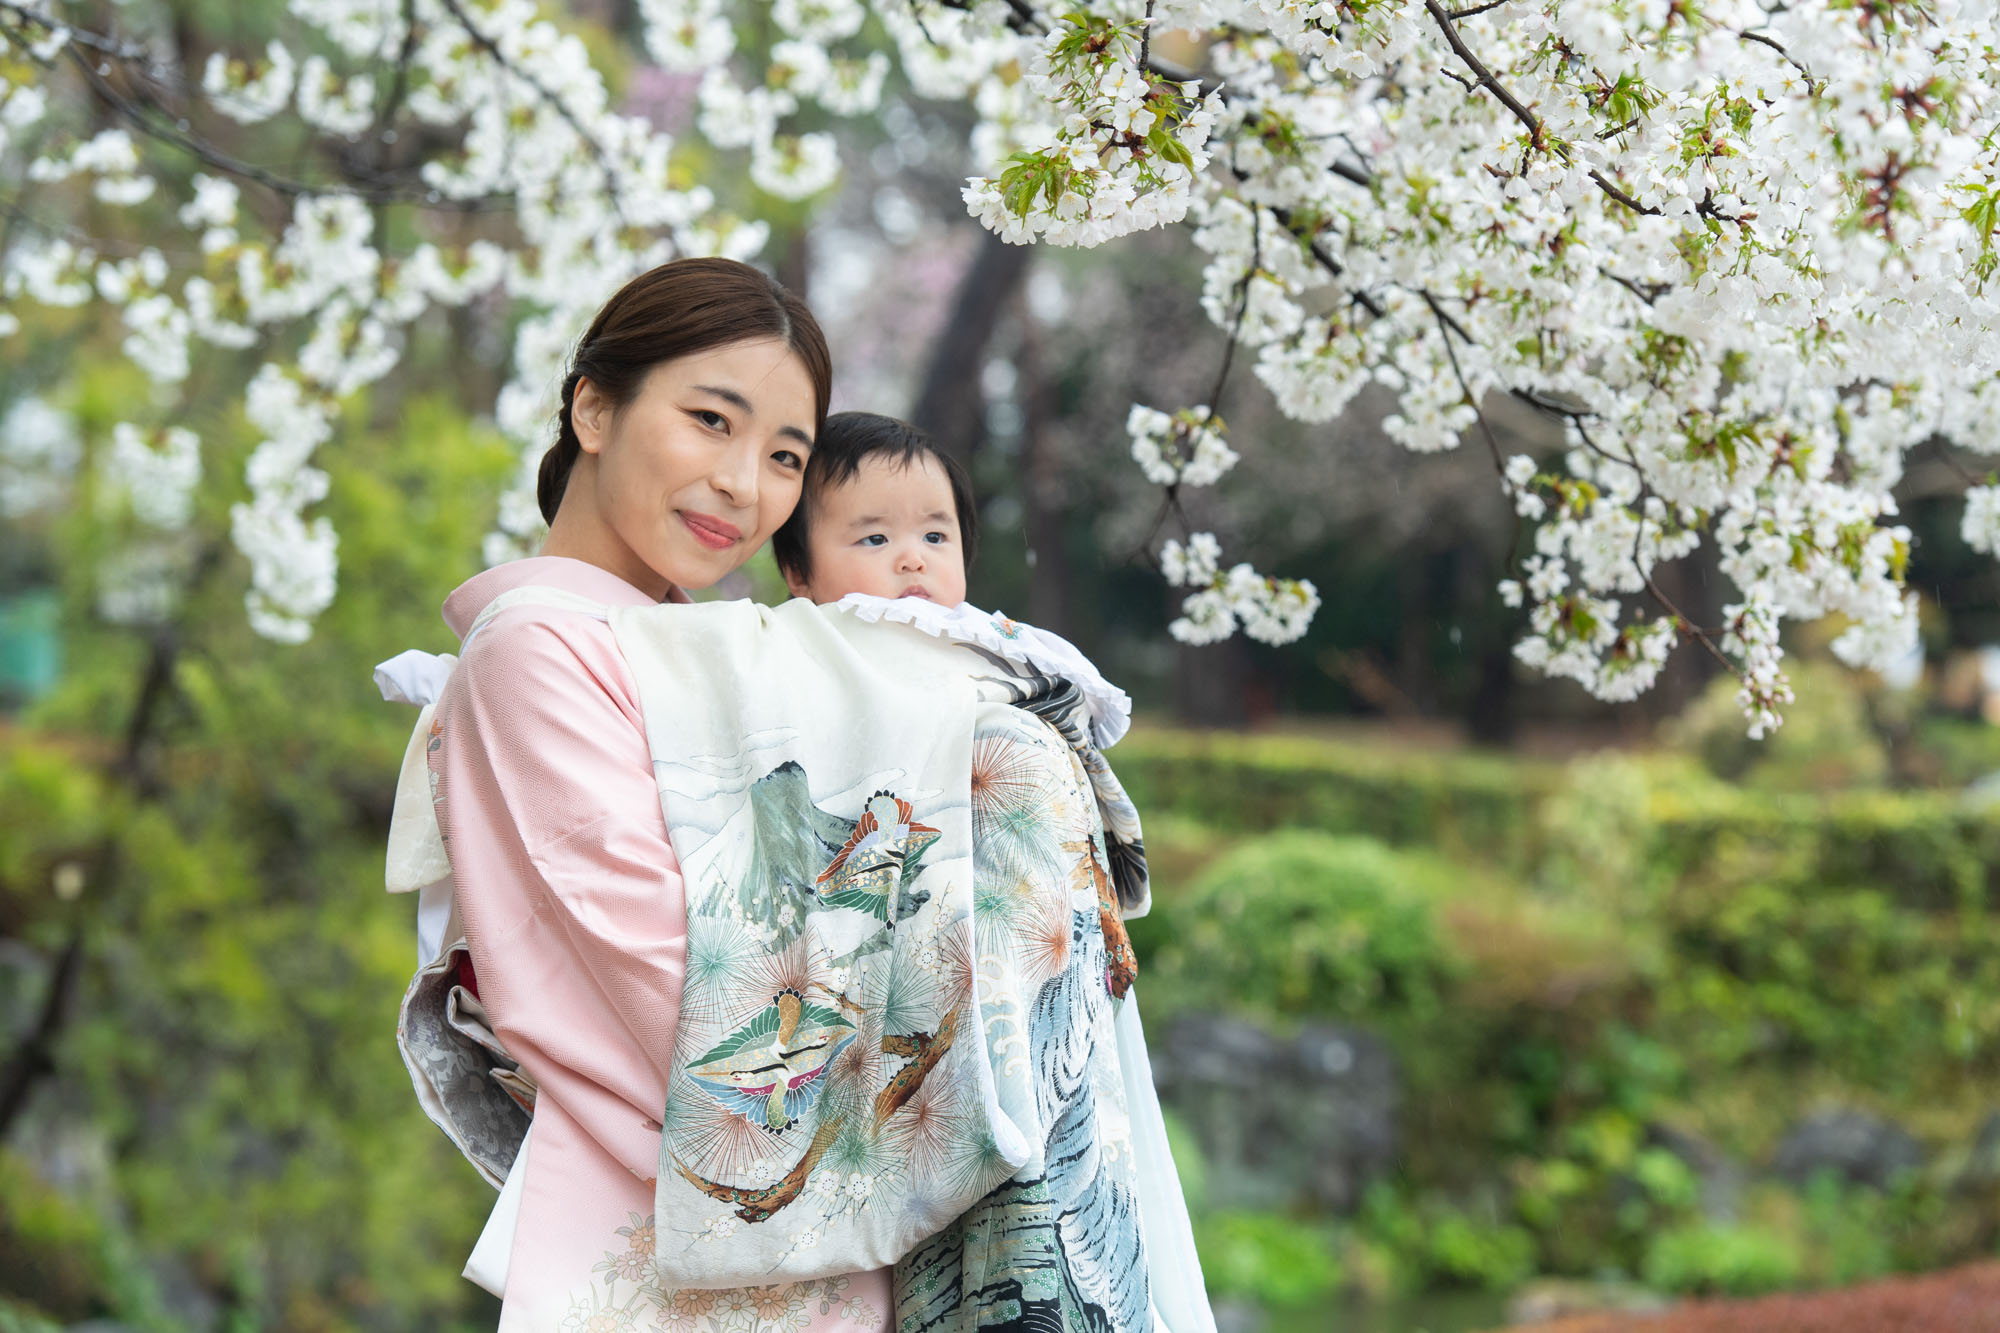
(797, 1039)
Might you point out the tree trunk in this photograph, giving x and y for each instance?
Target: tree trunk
(950, 406)
(1210, 681)
(1044, 507)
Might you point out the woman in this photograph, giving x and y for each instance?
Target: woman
(683, 436)
(682, 439)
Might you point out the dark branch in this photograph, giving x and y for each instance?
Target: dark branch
(1483, 74)
(1537, 135)
(1811, 83)
(399, 87)
(1604, 184)
(1649, 292)
(35, 1056)
(1446, 326)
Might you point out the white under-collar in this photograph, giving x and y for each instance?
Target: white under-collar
(1110, 707)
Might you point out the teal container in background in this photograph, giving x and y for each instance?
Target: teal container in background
(30, 645)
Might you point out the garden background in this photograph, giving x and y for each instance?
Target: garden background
(1471, 998)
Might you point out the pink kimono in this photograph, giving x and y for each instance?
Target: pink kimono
(572, 906)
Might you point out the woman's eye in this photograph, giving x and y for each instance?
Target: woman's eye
(712, 420)
(785, 458)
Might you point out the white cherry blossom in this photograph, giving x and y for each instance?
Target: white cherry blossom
(1745, 256)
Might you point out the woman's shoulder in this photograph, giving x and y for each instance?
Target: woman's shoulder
(527, 654)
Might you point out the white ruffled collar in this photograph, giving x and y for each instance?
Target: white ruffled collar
(1110, 707)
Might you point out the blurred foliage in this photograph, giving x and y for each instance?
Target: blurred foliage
(1274, 1260)
(1737, 1260)
(1612, 985)
(1829, 741)
(1339, 925)
(228, 1104)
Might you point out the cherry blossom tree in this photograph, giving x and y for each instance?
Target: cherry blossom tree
(1743, 254)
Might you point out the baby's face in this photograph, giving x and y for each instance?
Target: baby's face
(892, 531)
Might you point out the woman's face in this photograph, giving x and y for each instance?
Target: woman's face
(683, 483)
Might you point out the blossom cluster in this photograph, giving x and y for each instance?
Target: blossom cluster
(1746, 256)
(1186, 449)
(1120, 148)
(1267, 609)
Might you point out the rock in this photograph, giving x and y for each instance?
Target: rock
(1311, 1121)
(1859, 1147)
(1982, 1165)
(1235, 1316)
(1544, 1299)
(1721, 1177)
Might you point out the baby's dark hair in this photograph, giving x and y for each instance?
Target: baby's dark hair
(843, 444)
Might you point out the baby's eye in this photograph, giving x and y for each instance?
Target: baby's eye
(874, 539)
(937, 538)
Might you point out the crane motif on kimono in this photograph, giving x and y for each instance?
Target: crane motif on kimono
(882, 851)
(772, 1068)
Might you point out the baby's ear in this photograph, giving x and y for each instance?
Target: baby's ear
(798, 587)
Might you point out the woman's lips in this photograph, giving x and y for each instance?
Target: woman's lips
(710, 531)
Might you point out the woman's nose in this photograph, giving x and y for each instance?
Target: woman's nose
(735, 476)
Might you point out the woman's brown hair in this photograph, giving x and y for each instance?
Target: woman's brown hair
(678, 309)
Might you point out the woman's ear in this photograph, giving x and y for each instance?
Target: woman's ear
(587, 411)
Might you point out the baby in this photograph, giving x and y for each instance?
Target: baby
(885, 512)
(886, 528)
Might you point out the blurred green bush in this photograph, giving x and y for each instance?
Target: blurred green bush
(1612, 986)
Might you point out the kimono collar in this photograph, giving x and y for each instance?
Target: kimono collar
(546, 571)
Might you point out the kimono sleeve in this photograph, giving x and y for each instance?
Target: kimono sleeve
(565, 880)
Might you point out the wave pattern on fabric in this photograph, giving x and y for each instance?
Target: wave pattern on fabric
(1057, 1248)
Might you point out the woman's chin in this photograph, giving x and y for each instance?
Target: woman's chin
(693, 567)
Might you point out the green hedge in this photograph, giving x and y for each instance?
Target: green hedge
(1927, 849)
(1468, 804)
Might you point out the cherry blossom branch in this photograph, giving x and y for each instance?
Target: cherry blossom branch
(399, 86)
(1446, 326)
(1649, 292)
(134, 113)
(98, 42)
(602, 159)
(1236, 320)
(1812, 85)
(1483, 74)
(1537, 133)
(1289, 221)
(1170, 501)
(1575, 418)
